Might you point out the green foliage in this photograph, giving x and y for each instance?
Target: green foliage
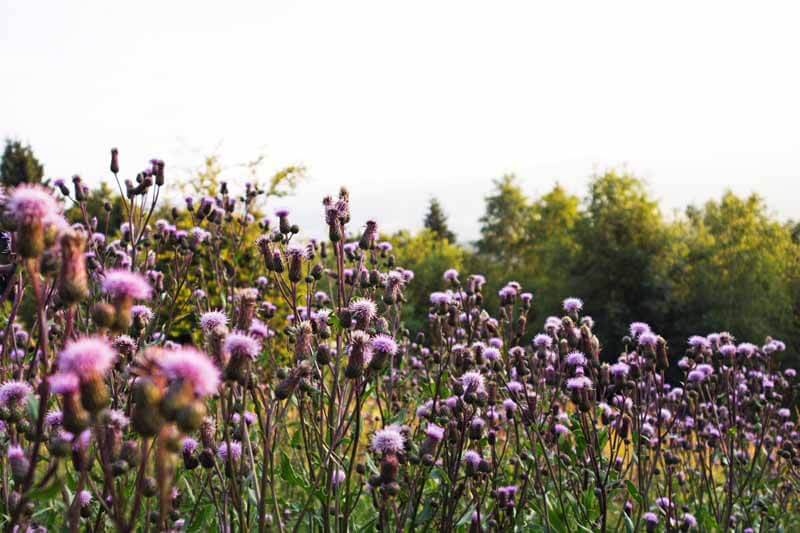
(740, 271)
(19, 165)
(726, 265)
(109, 222)
(436, 221)
(428, 256)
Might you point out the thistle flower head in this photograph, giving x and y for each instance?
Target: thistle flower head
(384, 344)
(572, 304)
(451, 274)
(13, 392)
(188, 445)
(491, 354)
(698, 342)
(296, 251)
(240, 344)
(29, 203)
(234, 451)
(54, 418)
(122, 283)
(472, 458)
(363, 309)
(388, 440)
(191, 366)
(15, 452)
(575, 359)
(648, 338)
(619, 369)
(84, 498)
(579, 383)
(637, 328)
(473, 382)
(211, 319)
(117, 419)
(64, 382)
(434, 432)
(142, 312)
(542, 341)
(440, 298)
(86, 357)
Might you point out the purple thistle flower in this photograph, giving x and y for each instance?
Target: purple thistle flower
(440, 298)
(126, 284)
(648, 338)
(451, 274)
(337, 477)
(86, 357)
(526, 297)
(746, 349)
(510, 404)
(211, 319)
(189, 445)
(575, 359)
(727, 350)
(572, 305)
(28, 204)
(258, 330)
(434, 432)
(515, 386)
(384, 344)
(234, 452)
(363, 310)
(619, 370)
(637, 328)
(560, 429)
(15, 452)
(542, 341)
(491, 354)
(84, 498)
(13, 392)
(689, 521)
(507, 293)
(192, 366)
(63, 383)
(698, 342)
(54, 418)
(142, 312)
(240, 344)
(579, 383)
(473, 382)
(473, 458)
(650, 518)
(388, 440)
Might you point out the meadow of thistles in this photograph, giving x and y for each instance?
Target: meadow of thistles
(210, 368)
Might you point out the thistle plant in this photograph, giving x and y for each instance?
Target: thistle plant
(216, 369)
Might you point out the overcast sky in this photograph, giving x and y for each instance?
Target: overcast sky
(402, 101)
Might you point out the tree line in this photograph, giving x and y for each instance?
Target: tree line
(726, 265)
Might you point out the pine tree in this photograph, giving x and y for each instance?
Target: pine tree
(436, 221)
(19, 165)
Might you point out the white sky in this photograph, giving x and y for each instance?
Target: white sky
(405, 100)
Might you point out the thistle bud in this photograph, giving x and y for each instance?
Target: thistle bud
(73, 282)
(114, 161)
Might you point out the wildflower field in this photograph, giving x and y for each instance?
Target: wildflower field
(207, 369)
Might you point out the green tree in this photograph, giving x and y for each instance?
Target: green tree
(621, 261)
(436, 221)
(19, 165)
(552, 248)
(109, 222)
(504, 222)
(740, 273)
(428, 256)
